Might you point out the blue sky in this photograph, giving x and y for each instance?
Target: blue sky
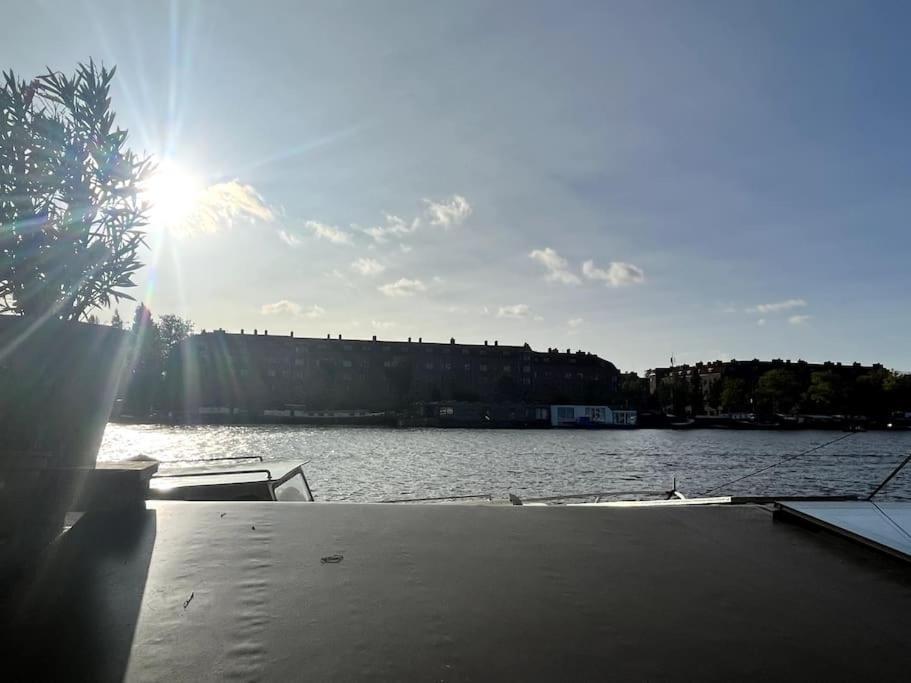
(638, 179)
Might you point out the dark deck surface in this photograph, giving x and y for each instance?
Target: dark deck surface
(196, 591)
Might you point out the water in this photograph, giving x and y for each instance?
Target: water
(371, 464)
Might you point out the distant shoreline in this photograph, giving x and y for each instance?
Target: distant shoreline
(395, 422)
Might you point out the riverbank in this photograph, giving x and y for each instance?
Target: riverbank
(354, 418)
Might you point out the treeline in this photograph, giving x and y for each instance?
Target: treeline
(878, 393)
(145, 386)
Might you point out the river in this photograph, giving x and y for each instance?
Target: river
(372, 464)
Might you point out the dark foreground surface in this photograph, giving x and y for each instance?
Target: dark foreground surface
(195, 591)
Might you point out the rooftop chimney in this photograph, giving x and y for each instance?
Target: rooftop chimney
(340, 337)
(241, 330)
(292, 334)
(266, 332)
(409, 340)
(452, 340)
(255, 331)
(568, 351)
(485, 342)
(420, 340)
(328, 336)
(496, 343)
(374, 337)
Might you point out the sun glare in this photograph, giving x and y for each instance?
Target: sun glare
(173, 193)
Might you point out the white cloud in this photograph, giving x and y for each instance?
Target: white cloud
(382, 324)
(448, 212)
(445, 213)
(557, 266)
(514, 311)
(405, 248)
(538, 318)
(393, 227)
(403, 287)
(760, 322)
(283, 307)
(221, 206)
(617, 274)
(367, 266)
(288, 238)
(575, 322)
(331, 233)
(798, 319)
(778, 306)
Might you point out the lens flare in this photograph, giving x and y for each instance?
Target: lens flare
(173, 194)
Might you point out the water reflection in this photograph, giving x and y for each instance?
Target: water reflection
(369, 464)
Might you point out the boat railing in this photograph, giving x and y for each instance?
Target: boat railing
(216, 473)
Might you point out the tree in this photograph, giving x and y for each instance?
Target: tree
(70, 211)
(145, 367)
(697, 400)
(778, 391)
(897, 387)
(116, 320)
(633, 390)
(674, 395)
(172, 329)
(733, 396)
(714, 398)
(826, 391)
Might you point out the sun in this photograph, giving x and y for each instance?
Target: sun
(173, 194)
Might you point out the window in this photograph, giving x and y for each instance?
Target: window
(346, 363)
(526, 368)
(467, 367)
(526, 381)
(483, 368)
(446, 410)
(428, 365)
(566, 413)
(387, 363)
(507, 368)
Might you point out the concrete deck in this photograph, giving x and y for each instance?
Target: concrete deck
(197, 591)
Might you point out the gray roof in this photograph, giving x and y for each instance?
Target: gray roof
(194, 591)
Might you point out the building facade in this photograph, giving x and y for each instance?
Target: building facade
(709, 376)
(262, 371)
